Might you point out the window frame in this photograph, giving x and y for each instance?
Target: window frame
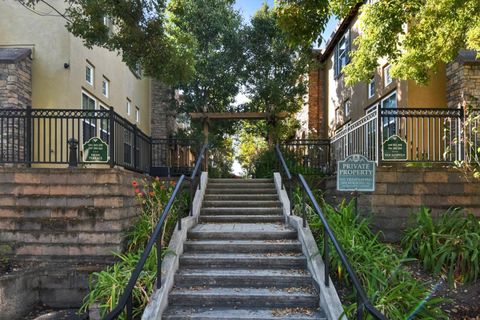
(348, 103)
(371, 88)
(129, 106)
(137, 114)
(344, 55)
(106, 87)
(387, 78)
(90, 69)
(92, 123)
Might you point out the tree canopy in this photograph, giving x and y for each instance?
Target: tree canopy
(414, 35)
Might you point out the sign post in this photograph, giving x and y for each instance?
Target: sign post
(95, 150)
(356, 173)
(394, 149)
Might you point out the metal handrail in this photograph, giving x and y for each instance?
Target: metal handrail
(125, 300)
(361, 295)
(194, 181)
(362, 299)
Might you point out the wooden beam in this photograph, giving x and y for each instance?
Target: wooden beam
(236, 115)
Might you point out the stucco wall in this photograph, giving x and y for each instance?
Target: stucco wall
(53, 85)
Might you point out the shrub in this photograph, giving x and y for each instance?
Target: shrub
(391, 288)
(449, 245)
(107, 286)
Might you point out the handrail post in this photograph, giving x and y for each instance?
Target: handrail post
(379, 135)
(158, 243)
(135, 160)
(304, 209)
(112, 137)
(359, 307)
(130, 307)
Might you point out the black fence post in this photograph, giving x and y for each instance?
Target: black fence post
(28, 137)
(112, 137)
(72, 158)
(379, 135)
(135, 160)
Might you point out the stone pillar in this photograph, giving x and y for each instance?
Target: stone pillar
(163, 123)
(15, 93)
(463, 81)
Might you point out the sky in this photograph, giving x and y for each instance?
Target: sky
(248, 7)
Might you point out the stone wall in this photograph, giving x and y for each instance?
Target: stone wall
(162, 118)
(15, 78)
(400, 191)
(463, 81)
(69, 215)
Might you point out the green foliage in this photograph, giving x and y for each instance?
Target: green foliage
(220, 156)
(471, 165)
(414, 36)
(449, 245)
(391, 288)
(5, 252)
(107, 286)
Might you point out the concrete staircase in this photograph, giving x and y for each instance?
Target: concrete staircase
(241, 261)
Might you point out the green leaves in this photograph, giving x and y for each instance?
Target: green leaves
(449, 246)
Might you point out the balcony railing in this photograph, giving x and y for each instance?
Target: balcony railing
(430, 135)
(58, 137)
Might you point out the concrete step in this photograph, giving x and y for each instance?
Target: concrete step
(211, 190)
(241, 211)
(245, 181)
(177, 313)
(233, 185)
(241, 197)
(243, 246)
(279, 278)
(241, 231)
(241, 203)
(245, 260)
(244, 297)
(241, 218)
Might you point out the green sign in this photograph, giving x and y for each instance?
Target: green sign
(356, 173)
(95, 150)
(394, 149)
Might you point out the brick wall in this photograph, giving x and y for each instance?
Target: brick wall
(76, 216)
(316, 109)
(400, 191)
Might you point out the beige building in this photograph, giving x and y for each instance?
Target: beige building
(361, 118)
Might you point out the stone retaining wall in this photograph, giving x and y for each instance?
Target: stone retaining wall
(69, 215)
(400, 191)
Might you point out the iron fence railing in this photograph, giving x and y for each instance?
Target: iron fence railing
(307, 156)
(58, 136)
(430, 135)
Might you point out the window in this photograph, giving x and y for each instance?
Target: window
(89, 125)
(371, 88)
(127, 146)
(387, 79)
(129, 107)
(137, 70)
(389, 123)
(89, 74)
(342, 51)
(105, 87)
(137, 115)
(348, 108)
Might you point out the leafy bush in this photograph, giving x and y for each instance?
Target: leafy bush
(107, 286)
(449, 245)
(391, 288)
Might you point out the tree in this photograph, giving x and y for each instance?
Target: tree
(414, 35)
(275, 71)
(139, 30)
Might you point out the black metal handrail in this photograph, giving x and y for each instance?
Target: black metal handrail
(195, 177)
(362, 300)
(125, 301)
(126, 298)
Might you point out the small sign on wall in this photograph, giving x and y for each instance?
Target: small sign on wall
(394, 149)
(95, 150)
(356, 173)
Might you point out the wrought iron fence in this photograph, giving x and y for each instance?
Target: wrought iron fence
(429, 135)
(307, 156)
(58, 136)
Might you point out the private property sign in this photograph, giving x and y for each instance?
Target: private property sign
(95, 150)
(356, 173)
